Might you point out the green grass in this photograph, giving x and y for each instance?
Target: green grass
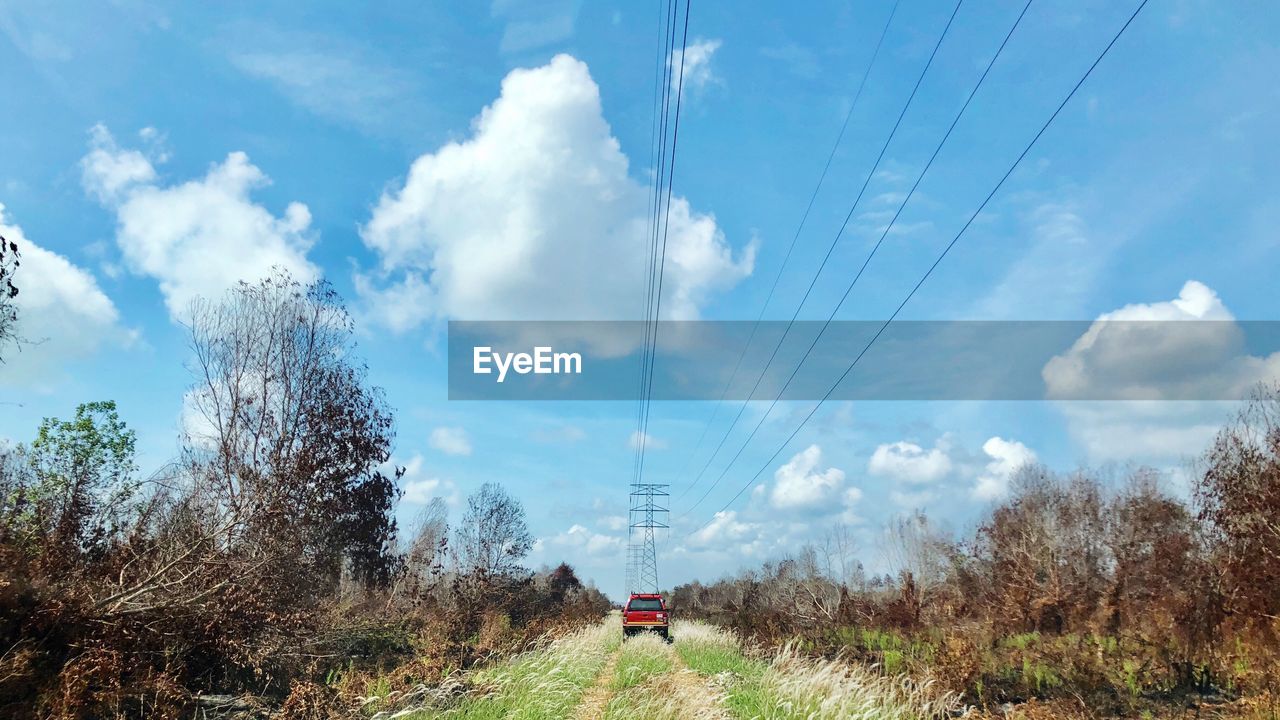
(712, 659)
(648, 684)
(545, 684)
(790, 686)
(642, 657)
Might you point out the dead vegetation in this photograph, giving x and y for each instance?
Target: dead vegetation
(263, 567)
(1107, 595)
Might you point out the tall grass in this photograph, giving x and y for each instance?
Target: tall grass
(543, 684)
(650, 687)
(790, 685)
(642, 657)
(715, 652)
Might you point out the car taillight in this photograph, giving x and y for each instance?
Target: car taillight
(662, 616)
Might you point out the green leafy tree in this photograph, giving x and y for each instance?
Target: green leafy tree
(83, 471)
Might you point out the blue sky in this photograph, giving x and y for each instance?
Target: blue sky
(154, 152)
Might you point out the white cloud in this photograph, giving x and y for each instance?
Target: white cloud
(614, 522)
(535, 217)
(907, 462)
(1158, 432)
(1144, 352)
(1006, 457)
(1138, 353)
(593, 543)
(800, 485)
(109, 170)
(912, 500)
(531, 25)
(725, 527)
(419, 489)
(697, 64)
(62, 313)
(329, 76)
(649, 442)
(1056, 274)
(200, 237)
(451, 441)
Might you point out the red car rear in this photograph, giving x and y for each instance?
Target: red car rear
(646, 611)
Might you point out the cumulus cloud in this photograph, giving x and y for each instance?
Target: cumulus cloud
(800, 485)
(1188, 347)
(1154, 351)
(108, 170)
(907, 462)
(1006, 457)
(697, 64)
(200, 237)
(62, 313)
(536, 217)
(451, 441)
(725, 527)
(595, 544)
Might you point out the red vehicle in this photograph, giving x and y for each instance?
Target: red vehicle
(646, 612)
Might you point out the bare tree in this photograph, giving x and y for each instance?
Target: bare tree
(425, 552)
(1045, 551)
(9, 262)
(1154, 558)
(285, 437)
(912, 546)
(494, 536)
(279, 490)
(840, 557)
(1238, 495)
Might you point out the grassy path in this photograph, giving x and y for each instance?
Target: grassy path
(705, 675)
(597, 698)
(544, 684)
(652, 683)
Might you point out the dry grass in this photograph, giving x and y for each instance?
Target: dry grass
(790, 685)
(545, 683)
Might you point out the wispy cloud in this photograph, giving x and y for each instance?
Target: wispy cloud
(451, 441)
(334, 79)
(698, 73)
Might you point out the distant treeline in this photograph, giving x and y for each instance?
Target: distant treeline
(1112, 594)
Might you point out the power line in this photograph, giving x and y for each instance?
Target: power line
(662, 262)
(787, 258)
(657, 158)
(642, 571)
(658, 136)
(830, 249)
(880, 241)
(936, 262)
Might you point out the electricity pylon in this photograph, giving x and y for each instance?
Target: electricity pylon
(648, 514)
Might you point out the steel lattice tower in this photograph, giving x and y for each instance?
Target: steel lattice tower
(648, 514)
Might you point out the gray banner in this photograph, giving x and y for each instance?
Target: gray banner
(910, 360)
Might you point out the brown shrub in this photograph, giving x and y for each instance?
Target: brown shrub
(310, 701)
